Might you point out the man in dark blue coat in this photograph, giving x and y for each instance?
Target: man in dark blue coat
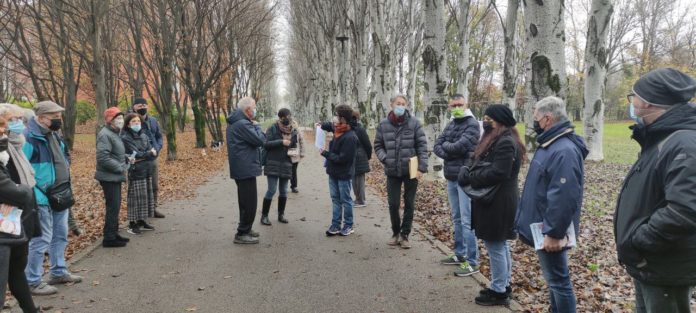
(244, 141)
(553, 196)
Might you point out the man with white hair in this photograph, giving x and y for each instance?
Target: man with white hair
(553, 196)
(244, 141)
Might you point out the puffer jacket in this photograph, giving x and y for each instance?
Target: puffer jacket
(364, 151)
(244, 141)
(278, 163)
(655, 218)
(111, 156)
(553, 188)
(395, 144)
(457, 143)
(140, 144)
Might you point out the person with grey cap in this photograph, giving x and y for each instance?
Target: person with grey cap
(48, 155)
(655, 219)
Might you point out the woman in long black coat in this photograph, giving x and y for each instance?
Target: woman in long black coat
(497, 161)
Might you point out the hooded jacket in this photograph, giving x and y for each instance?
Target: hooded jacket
(655, 218)
(457, 143)
(553, 188)
(244, 141)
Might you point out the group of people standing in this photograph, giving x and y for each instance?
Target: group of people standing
(35, 178)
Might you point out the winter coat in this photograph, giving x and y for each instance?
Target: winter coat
(457, 143)
(495, 221)
(553, 188)
(154, 135)
(244, 141)
(30, 212)
(396, 144)
(111, 156)
(340, 157)
(364, 151)
(140, 144)
(655, 219)
(278, 163)
(38, 152)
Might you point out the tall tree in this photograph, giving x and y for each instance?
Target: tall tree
(463, 57)
(510, 67)
(595, 76)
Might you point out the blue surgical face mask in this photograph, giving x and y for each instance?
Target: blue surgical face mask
(16, 127)
(399, 110)
(632, 114)
(136, 128)
(253, 114)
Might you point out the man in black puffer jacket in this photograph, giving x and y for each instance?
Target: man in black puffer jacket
(399, 138)
(456, 147)
(655, 220)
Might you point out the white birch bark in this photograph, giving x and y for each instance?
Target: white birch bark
(510, 67)
(463, 57)
(545, 69)
(595, 76)
(435, 63)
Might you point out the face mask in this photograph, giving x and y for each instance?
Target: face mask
(118, 122)
(632, 114)
(399, 110)
(4, 142)
(285, 121)
(253, 113)
(458, 112)
(487, 126)
(56, 123)
(537, 128)
(142, 111)
(16, 127)
(136, 128)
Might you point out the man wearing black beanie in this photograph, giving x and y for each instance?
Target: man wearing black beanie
(655, 220)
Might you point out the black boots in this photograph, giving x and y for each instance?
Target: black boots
(281, 209)
(264, 211)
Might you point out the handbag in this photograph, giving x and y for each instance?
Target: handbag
(483, 194)
(60, 196)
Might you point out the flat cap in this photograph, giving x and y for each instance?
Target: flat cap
(45, 107)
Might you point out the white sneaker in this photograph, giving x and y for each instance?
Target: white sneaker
(43, 289)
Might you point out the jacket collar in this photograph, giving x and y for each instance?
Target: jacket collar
(34, 129)
(552, 134)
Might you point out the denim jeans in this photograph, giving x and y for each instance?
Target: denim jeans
(501, 264)
(655, 299)
(273, 182)
(554, 265)
(465, 244)
(342, 202)
(54, 238)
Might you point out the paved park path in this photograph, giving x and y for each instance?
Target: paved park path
(189, 264)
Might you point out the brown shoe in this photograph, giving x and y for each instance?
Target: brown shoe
(404, 243)
(394, 241)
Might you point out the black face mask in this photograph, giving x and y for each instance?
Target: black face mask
(285, 121)
(56, 123)
(4, 143)
(537, 128)
(487, 126)
(142, 111)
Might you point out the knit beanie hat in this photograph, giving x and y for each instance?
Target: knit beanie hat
(501, 114)
(665, 86)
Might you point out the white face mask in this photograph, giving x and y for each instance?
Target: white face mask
(118, 122)
(4, 157)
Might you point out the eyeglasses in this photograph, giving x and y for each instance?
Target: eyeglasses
(630, 97)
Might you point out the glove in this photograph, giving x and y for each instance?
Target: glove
(463, 178)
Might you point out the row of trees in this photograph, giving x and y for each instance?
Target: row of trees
(198, 55)
(587, 52)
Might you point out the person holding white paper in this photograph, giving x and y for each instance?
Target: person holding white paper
(553, 195)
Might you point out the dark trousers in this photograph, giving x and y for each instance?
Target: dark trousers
(400, 226)
(293, 180)
(654, 299)
(154, 175)
(13, 260)
(359, 188)
(112, 195)
(247, 198)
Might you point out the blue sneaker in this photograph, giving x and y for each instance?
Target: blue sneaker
(347, 230)
(333, 231)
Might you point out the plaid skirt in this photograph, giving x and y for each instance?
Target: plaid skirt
(140, 199)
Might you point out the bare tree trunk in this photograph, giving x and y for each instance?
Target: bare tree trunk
(435, 63)
(595, 76)
(510, 67)
(463, 57)
(97, 12)
(545, 70)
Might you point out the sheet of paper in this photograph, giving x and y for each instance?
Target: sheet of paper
(538, 234)
(413, 167)
(319, 138)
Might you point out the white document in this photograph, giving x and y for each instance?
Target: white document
(537, 232)
(319, 138)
